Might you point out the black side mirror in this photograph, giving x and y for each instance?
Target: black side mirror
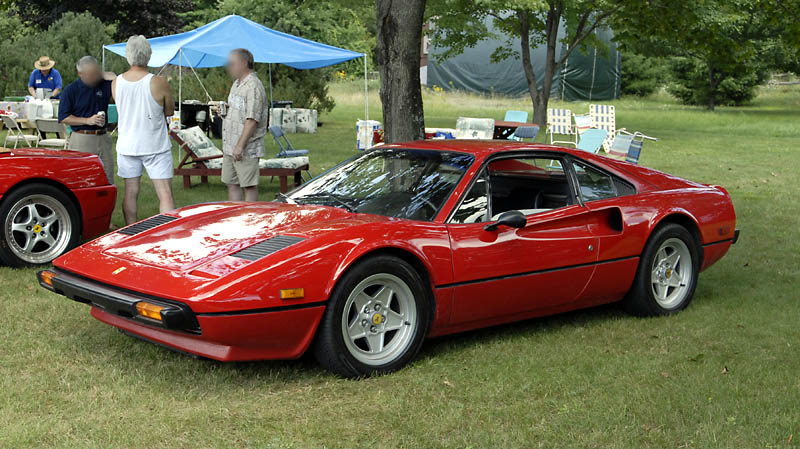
(512, 219)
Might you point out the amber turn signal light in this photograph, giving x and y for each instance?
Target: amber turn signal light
(292, 293)
(47, 277)
(148, 310)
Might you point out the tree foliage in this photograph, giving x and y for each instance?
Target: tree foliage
(147, 17)
(642, 75)
(462, 23)
(731, 43)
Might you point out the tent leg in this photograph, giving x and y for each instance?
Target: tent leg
(366, 90)
(270, 86)
(180, 81)
(104, 58)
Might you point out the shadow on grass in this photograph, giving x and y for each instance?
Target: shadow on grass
(482, 336)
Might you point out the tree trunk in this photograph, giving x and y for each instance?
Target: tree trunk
(398, 50)
(540, 97)
(712, 84)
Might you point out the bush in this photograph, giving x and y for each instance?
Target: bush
(690, 83)
(641, 75)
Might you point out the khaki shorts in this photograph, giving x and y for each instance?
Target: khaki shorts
(244, 172)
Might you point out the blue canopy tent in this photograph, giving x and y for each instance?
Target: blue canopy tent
(210, 44)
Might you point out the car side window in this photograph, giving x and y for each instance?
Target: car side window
(594, 185)
(475, 207)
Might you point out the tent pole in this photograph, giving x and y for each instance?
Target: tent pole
(270, 87)
(366, 90)
(180, 83)
(104, 57)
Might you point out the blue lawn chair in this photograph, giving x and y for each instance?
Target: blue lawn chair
(289, 150)
(634, 151)
(525, 132)
(516, 116)
(592, 139)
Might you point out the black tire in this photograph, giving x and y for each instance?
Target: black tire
(46, 194)
(330, 348)
(641, 300)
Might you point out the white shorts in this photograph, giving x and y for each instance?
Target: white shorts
(158, 166)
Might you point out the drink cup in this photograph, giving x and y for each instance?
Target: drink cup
(103, 115)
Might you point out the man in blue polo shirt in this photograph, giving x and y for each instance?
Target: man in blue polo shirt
(84, 107)
(46, 77)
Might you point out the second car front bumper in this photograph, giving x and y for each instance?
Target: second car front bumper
(173, 315)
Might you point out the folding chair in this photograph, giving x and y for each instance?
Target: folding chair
(51, 125)
(474, 128)
(583, 122)
(559, 121)
(14, 132)
(628, 147)
(526, 132)
(289, 151)
(604, 116)
(516, 116)
(592, 140)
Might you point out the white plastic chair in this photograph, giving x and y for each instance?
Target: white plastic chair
(52, 126)
(14, 132)
(559, 121)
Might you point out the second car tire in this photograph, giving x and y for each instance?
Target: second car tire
(667, 274)
(41, 214)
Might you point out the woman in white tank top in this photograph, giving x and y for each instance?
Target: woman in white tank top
(142, 125)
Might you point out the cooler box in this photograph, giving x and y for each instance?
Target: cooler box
(365, 133)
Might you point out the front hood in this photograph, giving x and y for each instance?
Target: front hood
(204, 233)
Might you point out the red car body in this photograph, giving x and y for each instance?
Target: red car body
(79, 175)
(229, 308)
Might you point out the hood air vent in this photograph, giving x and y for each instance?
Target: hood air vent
(267, 247)
(145, 225)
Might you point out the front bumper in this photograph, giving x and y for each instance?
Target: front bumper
(262, 334)
(174, 316)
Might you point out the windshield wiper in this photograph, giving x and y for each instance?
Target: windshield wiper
(341, 202)
(285, 198)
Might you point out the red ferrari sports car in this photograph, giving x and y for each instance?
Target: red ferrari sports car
(400, 243)
(49, 199)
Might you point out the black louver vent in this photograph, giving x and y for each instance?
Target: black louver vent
(150, 223)
(267, 247)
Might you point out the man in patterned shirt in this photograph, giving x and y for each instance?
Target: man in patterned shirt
(243, 128)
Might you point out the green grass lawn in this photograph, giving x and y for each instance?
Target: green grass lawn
(723, 373)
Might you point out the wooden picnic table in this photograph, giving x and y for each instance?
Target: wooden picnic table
(503, 129)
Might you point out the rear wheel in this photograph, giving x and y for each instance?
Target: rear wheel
(667, 275)
(376, 320)
(39, 224)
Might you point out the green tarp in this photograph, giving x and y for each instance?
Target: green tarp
(593, 75)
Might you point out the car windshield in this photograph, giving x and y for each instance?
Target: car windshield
(399, 183)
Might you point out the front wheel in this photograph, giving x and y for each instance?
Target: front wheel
(667, 275)
(376, 320)
(39, 224)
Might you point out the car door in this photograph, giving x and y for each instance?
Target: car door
(509, 271)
